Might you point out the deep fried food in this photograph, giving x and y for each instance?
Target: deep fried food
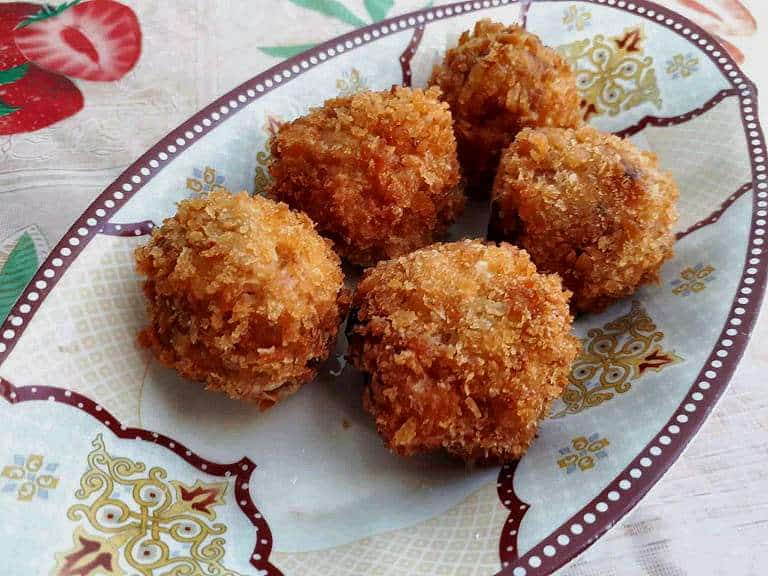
(498, 80)
(242, 294)
(589, 206)
(465, 346)
(377, 171)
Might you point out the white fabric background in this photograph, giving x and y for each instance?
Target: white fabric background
(709, 515)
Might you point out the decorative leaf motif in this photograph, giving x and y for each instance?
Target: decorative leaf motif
(89, 556)
(7, 77)
(140, 519)
(16, 273)
(47, 11)
(5, 109)
(285, 51)
(13, 74)
(613, 358)
(199, 497)
(377, 9)
(612, 74)
(332, 8)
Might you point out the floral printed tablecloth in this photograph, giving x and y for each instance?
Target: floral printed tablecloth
(67, 132)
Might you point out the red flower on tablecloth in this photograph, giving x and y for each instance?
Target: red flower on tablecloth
(42, 45)
(720, 18)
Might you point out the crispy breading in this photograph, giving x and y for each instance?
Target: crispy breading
(242, 294)
(498, 80)
(465, 346)
(589, 206)
(377, 171)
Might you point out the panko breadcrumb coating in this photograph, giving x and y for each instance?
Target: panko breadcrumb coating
(588, 206)
(498, 80)
(465, 346)
(377, 171)
(242, 294)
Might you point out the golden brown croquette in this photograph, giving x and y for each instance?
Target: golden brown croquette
(465, 346)
(498, 80)
(588, 206)
(377, 171)
(242, 294)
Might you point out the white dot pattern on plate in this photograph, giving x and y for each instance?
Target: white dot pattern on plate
(576, 528)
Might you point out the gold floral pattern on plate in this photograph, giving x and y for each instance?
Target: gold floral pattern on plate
(682, 66)
(351, 82)
(612, 359)
(613, 74)
(204, 181)
(29, 477)
(577, 17)
(137, 519)
(583, 453)
(693, 279)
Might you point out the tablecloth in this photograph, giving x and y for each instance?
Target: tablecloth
(709, 515)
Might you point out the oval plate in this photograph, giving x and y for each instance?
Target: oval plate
(132, 469)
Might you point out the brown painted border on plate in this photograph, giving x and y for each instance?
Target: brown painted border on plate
(114, 196)
(407, 55)
(662, 121)
(714, 216)
(128, 230)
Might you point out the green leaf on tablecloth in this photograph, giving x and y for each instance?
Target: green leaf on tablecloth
(46, 11)
(13, 74)
(5, 109)
(16, 273)
(332, 8)
(377, 9)
(285, 51)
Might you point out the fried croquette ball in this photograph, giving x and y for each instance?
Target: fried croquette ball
(498, 80)
(465, 346)
(242, 294)
(377, 171)
(588, 206)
